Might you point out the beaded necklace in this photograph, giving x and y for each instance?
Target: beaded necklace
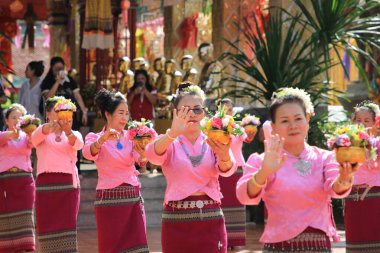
(195, 160)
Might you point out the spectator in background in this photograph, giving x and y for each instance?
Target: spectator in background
(30, 92)
(142, 97)
(58, 83)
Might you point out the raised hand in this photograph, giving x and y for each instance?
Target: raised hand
(66, 125)
(180, 121)
(109, 134)
(14, 133)
(50, 127)
(273, 157)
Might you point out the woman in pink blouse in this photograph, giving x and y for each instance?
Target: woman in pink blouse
(57, 198)
(295, 180)
(362, 206)
(119, 209)
(192, 220)
(17, 189)
(234, 212)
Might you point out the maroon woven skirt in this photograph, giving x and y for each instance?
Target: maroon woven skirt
(120, 220)
(362, 220)
(17, 194)
(310, 240)
(57, 206)
(189, 230)
(233, 210)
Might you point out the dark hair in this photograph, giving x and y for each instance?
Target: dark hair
(15, 107)
(285, 99)
(205, 44)
(182, 92)
(50, 77)
(136, 84)
(108, 101)
(50, 103)
(224, 101)
(37, 67)
(363, 106)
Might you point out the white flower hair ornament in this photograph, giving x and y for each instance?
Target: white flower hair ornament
(299, 93)
(370, 105)
(194, 89)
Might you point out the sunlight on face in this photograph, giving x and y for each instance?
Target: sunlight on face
(364, 117)
(119, 118)
(195, 103)
(13, 119)
(291, 123)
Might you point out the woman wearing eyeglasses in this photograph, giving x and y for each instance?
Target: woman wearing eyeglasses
(192, 219)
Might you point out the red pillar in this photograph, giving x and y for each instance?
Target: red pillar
(132, 28)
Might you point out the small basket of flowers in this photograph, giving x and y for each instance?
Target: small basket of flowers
(351, 143)
(65, 109)
(220, 127)
(250, 124)
(141, 132)
(28, 123)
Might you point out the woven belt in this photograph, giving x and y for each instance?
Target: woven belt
(14, 169)
(191, 204)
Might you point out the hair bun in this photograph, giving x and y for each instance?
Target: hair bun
(102, 98)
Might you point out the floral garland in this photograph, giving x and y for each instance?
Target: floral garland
(299, 93)
(139, 129)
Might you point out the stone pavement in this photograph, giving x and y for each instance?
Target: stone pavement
(87, 240)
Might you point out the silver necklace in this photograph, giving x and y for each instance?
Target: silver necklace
(303, 167)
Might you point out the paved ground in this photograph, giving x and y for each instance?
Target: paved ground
(87, 240)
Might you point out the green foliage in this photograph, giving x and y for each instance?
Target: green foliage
(344, 24)
(282, 59)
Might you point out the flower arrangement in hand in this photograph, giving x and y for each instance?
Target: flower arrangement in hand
(220, 127)
(65, 109)
(350, 143)
(250, 124)
(141, 132)
(29, 123)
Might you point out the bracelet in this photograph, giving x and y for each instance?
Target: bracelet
(256, 183)
(168, 135)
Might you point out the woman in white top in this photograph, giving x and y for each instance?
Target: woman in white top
(30, 92)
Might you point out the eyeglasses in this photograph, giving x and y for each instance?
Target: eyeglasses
(197, 110)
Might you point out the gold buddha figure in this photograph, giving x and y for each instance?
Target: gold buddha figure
(186, 66)
(211, 73)
(126, 80)
(159, 68)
